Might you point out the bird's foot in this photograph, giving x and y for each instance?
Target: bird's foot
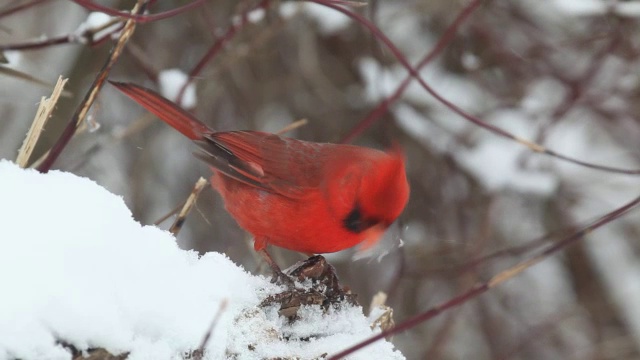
(281, 278)
(325, 290)
(278, 277)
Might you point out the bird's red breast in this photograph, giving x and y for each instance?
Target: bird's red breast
(304, 196)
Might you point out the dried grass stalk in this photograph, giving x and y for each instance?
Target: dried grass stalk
(191, 200)
(42, 115)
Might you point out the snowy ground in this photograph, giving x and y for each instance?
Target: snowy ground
(76, 268)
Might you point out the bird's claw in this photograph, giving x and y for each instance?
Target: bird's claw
(281, 278)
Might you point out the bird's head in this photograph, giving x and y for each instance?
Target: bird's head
(381, 197)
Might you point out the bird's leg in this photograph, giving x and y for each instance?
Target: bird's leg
(278, 276)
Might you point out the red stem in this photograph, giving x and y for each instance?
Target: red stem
(87, 36)
(90, 5)
(37, 44)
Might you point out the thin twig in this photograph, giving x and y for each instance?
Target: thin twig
(218, 45)
(143, 61)
(135, 126)
(198, 354)
(4, 70)
(164, 217)
(38, 43)
(87, 37)
(188, 204)
(294, 125)
(83, 109)
(137, 16)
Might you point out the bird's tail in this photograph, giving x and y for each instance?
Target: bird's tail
(166, 110)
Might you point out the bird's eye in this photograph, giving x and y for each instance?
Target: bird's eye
(355, 221)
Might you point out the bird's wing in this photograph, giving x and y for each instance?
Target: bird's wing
(283, 165)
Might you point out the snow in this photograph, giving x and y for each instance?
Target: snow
(171, 81)
(470, 61)
(599, 7)
(415, 124)
(628, 9)
(495, 162)
(288, 9)
(96, 20)
(582, 7)
(379, 82)
(76, 267)
(14, 58)
(496, 165)
(329, 21)
(256, 15)
(618, 269)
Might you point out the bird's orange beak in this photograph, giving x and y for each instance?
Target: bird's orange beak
(371, 236)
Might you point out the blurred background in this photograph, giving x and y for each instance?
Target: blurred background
(563, 73)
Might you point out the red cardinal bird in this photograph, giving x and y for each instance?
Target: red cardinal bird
(299, 195)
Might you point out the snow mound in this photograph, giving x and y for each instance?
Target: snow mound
(77, 270)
